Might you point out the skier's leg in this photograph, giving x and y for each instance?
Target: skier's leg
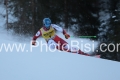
(51, 44)
(82, 53)
(74, 50)
(63, 45)
(57, 39)
(70, 49)
(60, 46)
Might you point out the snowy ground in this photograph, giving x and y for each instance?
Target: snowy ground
(31, 63)
(37, 65)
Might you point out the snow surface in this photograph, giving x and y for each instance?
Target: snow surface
(42, 65)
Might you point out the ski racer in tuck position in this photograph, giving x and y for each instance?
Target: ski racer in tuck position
(48, 32)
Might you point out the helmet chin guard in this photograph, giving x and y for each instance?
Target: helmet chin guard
(47, 22)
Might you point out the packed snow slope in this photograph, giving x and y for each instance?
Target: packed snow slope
(39, 64)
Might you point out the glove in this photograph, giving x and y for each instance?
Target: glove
(33, 42)
(67, 36)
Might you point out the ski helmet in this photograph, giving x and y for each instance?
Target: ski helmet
(47, 22)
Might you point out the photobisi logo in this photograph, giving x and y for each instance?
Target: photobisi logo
(43, 46)
(115, 47)
(8, 47)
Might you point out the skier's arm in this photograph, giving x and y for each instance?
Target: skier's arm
(38, 34)
(56, 27)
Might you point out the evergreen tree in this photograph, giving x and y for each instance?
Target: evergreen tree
(111, 37)
(84, 14)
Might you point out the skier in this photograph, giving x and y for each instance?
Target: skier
(48, 33)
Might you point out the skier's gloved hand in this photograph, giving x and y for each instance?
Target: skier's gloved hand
(67, 36)
(33, 42)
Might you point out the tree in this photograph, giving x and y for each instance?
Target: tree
(112, 33)
(84, 14)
